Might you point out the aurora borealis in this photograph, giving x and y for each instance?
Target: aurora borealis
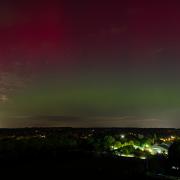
(89, 63)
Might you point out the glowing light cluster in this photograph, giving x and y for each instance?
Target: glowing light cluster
(168, 139)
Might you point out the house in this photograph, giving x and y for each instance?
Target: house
(160, 148)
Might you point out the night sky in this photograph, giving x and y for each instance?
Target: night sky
(88, 63)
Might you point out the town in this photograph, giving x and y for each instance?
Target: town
(149, 148)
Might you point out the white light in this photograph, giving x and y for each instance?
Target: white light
(127, 155)
(122, 136)
(175, 167)
(114, 147)
(146, 145)
(142, 157)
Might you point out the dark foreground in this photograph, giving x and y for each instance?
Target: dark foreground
(54, 154)
(73, 164)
